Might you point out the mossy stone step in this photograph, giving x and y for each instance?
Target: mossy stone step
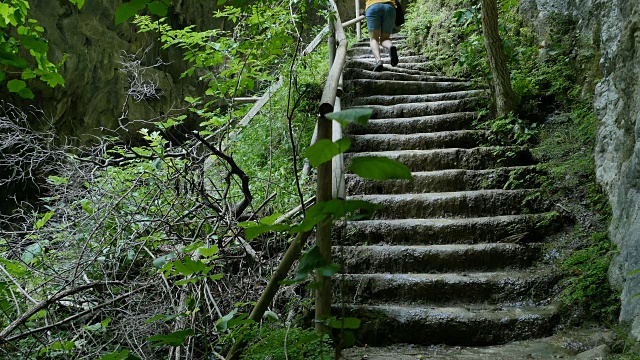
(421, 124)
(506, 288)
(435, 258)
(455, 158)
(365, 87)
(474, 203)
(520, 177)
(418, 141)
(421, 98)
(463, 325)
(521, 229)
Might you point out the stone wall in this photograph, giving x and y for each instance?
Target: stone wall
(611, 28)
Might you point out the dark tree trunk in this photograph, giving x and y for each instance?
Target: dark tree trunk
(506, 100)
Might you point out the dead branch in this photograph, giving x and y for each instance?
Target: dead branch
(72, 317)
(46, 303)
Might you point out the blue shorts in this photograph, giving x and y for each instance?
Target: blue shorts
(381, 16)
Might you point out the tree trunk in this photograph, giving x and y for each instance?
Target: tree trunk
(506, 100)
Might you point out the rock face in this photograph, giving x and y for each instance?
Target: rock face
(617, 105)
(95, 93)
(611, 29)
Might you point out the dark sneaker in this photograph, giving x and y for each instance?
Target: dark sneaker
(394, 56)
(378, 66)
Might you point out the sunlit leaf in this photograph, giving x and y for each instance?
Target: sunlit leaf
(324, 150)
(358, 116)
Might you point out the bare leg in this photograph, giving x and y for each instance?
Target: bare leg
(386, 41)
(374, 42)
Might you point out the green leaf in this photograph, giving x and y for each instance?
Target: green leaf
(336, 209)
(3, 75)
(158, 8)
(223, 323)
(348, 339)
(358, 116)
(379, 168)
(173, 339)
(53, 79)
(269, 220)
(43, 220)
(128, 10)
(26, 93)
(119, 355)
(271, 315)
(160, 261)
(324, 150)
(16, 85)
(349, 323)
(79, 3)
(208, 251)
(31, 252)
(34, 43)
(311, 260)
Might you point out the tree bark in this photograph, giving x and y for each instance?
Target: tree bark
(506, 100)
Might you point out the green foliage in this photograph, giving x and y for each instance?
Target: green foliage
(272, 341)
(588, 285)
(22, 35)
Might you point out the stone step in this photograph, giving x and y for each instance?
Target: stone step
(396, 38)
(368, 65)
(469, 325)
(443, 159)
(521, 229)
(357, 51)
(403, 57)
(515, 177)
(421, 124)
(400, 99)
(506, 288)
(352, 73)
(419, 141)
(475, 203)
(435, 258)
(405, 110)
(368, 87)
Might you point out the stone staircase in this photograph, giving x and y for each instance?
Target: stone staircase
(453, 257)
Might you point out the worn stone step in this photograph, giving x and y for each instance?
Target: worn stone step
(368, 87)
(404, 110)
(507, 288)
(357, 51)
(420, 124)
(521, 229)
(440, 140)
(400, 99)
(515, 177)
(443, 159)
(435, 258)
(368, 65)
(475, 203)
(465, 325)
(403, 57)
(352, 73)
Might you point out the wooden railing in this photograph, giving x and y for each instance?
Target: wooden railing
(330, 177)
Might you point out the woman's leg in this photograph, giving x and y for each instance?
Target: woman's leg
(374, 42)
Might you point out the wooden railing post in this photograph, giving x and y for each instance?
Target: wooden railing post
(358, 24)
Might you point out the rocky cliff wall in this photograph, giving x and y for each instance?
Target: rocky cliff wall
(95, 94)
(610, 29)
